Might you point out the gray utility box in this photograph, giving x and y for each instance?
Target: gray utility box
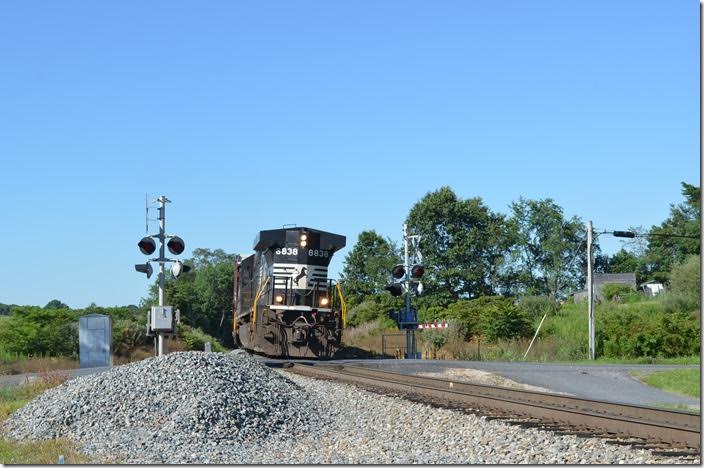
(162, 319)
(95, 340)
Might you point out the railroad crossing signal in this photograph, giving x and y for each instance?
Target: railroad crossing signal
(147, 246)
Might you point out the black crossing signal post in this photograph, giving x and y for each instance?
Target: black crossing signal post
(407, 278)
(161, 318)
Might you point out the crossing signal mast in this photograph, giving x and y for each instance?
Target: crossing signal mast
(407, 279)
(161, 319)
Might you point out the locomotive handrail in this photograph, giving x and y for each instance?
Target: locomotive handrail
(343, 304)
(256, 299)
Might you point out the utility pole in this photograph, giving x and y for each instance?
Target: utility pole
(590, 290)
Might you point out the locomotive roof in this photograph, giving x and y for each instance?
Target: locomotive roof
(277, 237)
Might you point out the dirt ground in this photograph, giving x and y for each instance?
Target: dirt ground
(484, 378)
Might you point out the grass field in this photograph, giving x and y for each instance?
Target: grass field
(682, 381)
(33, 453)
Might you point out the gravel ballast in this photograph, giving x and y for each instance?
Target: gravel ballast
(217, 408)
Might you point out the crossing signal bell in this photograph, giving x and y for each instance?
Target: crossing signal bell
(178, 267)
(147, 245)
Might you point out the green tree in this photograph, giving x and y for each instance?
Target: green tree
(623, 261)
(367, 266)
(463, 244)
(663, 251)
(549, 256)
(56, 304)
(204, 294)
(685, 286)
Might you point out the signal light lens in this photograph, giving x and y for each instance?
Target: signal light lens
(279, 299)
(628, 234)
(324, 301)
(147, 245)
(144, 268)
(304, 237)
(176, 245)
(303, 243)
(395, 289)
(417, 271)
(398, 272)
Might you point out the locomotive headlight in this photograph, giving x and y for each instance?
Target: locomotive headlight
(304, 240)
(304, 237)
(324, 301)
(303, 243)
(279, 299)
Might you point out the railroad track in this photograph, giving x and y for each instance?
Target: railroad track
(669, 432)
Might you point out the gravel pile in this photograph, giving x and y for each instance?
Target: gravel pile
(215, 408)
(168, 408)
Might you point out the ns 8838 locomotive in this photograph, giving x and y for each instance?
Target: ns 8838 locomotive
(284, 303)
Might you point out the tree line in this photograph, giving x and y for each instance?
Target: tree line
(470, 251)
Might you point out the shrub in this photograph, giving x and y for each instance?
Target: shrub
(535, 307)
(617, 291)
(369, 311)
(33, 331)
(647, 332)
(195, 339)
(685, 285)
(500, 318)
(436, 339)
(126, 336)
(492, 317)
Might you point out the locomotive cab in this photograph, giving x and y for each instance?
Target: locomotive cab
(285, 305)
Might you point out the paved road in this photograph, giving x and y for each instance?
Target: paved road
(18, 379)
(609, 382)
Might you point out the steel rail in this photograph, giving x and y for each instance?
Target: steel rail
(678, 428)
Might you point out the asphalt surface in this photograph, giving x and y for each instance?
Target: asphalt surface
(608, 382)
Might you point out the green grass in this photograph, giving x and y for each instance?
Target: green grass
(33, 453)
(683, 381)
(682, 360)
(679, 407)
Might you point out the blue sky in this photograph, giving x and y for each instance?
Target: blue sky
(333, 115)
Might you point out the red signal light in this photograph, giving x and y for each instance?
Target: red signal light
(147, 245)
(176, 245)
(398, 272)
(417, 271)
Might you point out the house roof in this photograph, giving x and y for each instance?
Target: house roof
(603, 278)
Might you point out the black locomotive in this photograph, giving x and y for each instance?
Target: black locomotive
(284, 303)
